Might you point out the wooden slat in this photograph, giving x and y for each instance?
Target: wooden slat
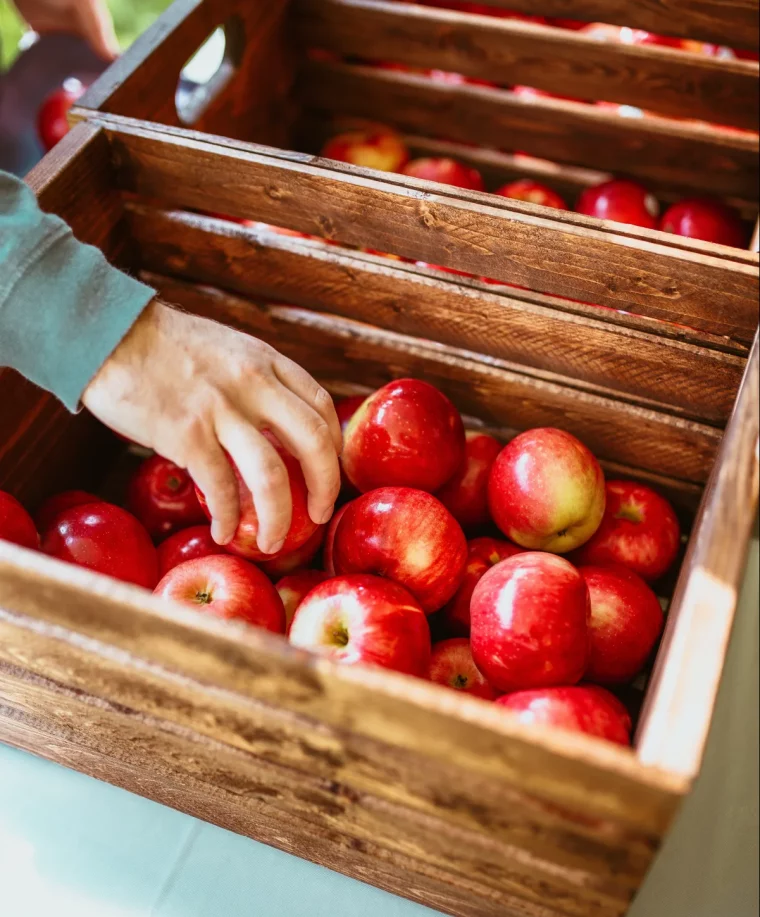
(699, 381)
(510, 52)
(676, 719)
(490, 236)
(143, 81)
(332, 348)
(732, 22)
(692, 157)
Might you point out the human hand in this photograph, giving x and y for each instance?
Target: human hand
(90, 19)
(191, 388)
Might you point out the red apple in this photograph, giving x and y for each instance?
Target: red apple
(52, 122)
(364, 619)
(621, 200)
(451, 664)
(104, 538)
(440, 267)
(702, 218)
(162, 496)
(301, 526)
(639, 530)
(530, 623)
(530, 92)
(465, 495)
(446, 171)
(406, 434)
(189, 544)
(293, 590)
(225, 587)
(16, 525)
(482, 554)
(296, 560)
(546, 491)
(332, 527)
(581, 708)
(406, 535)
(574, 25)
(345, 408)
(372, 148)
(626, 620)
(59, 502)
(533, 192)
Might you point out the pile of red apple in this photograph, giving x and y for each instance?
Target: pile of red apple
(619, 199)
(544, 609)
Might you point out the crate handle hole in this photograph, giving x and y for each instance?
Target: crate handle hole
(208, 71)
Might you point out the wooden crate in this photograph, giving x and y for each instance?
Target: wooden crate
(418, 790)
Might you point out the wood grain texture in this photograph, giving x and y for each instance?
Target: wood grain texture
(698, 381)
(694, 158)
(490, 236)
(509, 52)
(675, 722)
(339, 348)
(732, 22)
(253, 104)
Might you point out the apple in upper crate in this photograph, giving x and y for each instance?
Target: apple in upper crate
(52, 117)
(376, 147)
(525, 189)
(406, 434)
(187, 544)
(705, 219)
(452, 665)
(577, 708)
(162, 496)
(446, 171)
(225, 587)
(622, 200)
(364, 619)
(106, 539)
(626, 620)
(530, 618)
(294, 588)
(546, 491)
(465, 495)
(640, 530)
(405, 535)
(302, 527)
(482, 554)
(16, 525)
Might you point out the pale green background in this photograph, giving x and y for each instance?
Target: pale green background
(73, 847)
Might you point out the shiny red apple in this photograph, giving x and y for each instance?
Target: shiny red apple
(16, 525)
(294, 588)
(59, 502)
(578, 708)
(373, 148)
(546, 491)
(452, 665)
(533, 192)
(302, 527)
(446, 171)
(188, 544)
(406, 535)
(482, 554)
(621, 200)
(332, 527)
(626, 620)
(299, 559)
(225, 587)
(52, 121)
(465, 495)
(345, 408)
(406, 434)
(364, 619)
(104, 538)
(639, 530)
(530, 623)
(705, 219)
(162, 496)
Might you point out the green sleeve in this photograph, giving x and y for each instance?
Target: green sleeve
(63, 308)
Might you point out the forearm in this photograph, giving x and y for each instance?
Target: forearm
(63, 308)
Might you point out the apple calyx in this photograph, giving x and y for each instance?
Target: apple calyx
(204, 598)
(460, 681)
(630, 512)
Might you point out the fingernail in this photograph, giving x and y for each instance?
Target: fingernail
(276, 547)
(220, 536)
(326, 517)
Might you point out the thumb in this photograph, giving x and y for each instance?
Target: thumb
(96, 26)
